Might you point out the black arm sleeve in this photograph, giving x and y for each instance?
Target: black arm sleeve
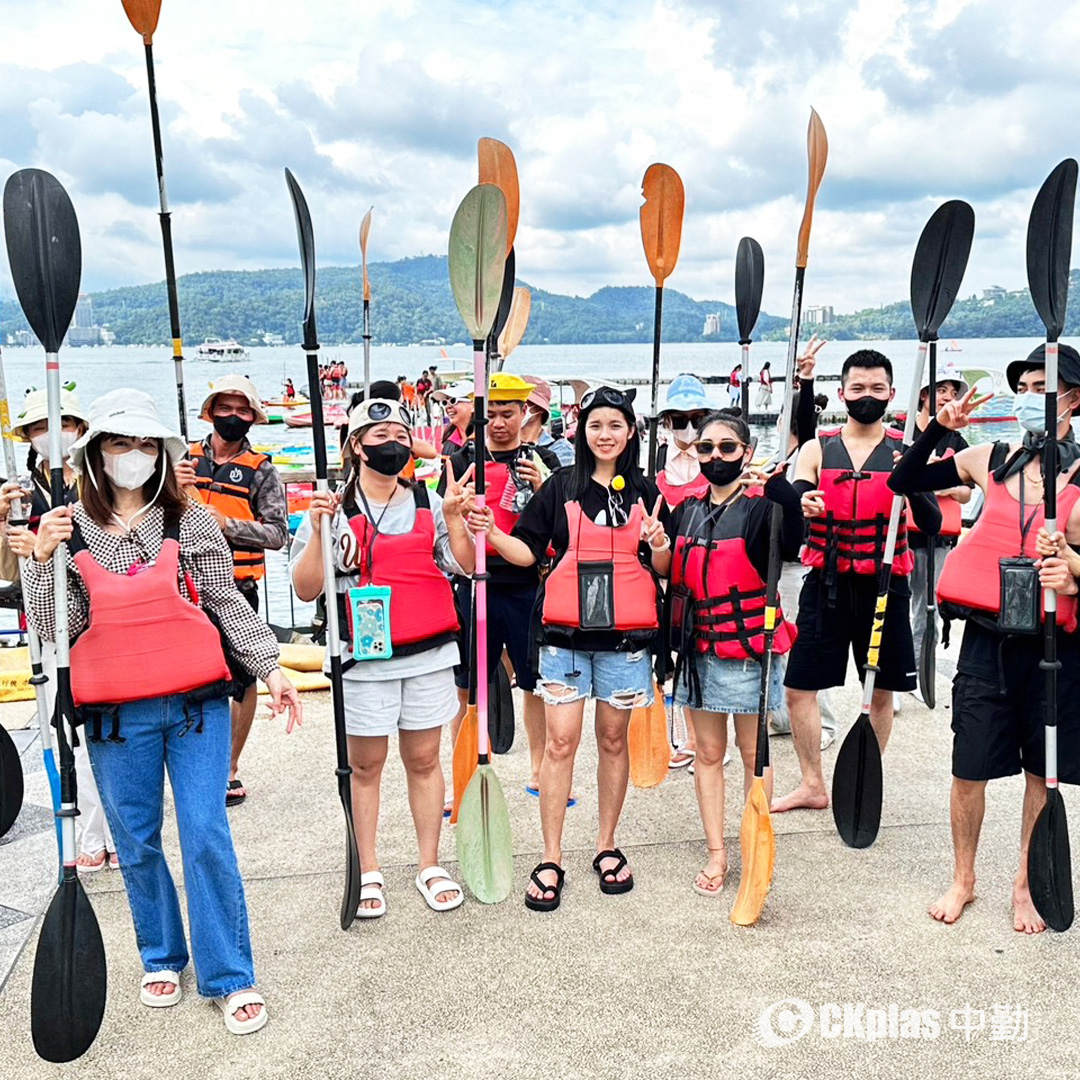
(806, 415)
(926, 511)
(912, 473)
(801, 487)
(779, 491)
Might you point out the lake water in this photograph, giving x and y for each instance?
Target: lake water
(97, 370)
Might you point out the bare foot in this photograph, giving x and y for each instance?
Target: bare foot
(162, 989)
(710, 879)
(550, 880)
(1026, 920)
(370, 904)
(248, 1012)
(607, 865)
(950, 905)
(446, 895)
(802, 798)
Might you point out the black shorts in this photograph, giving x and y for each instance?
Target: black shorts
(509, 617)
(830, 626)
(999, 711)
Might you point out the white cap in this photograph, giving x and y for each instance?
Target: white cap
(127, 412)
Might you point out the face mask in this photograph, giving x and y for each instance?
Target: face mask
(232, 428)
(130, 469)
(41, 443)
(387, 459)
(866, 410)
(720, 472)
(1030, 411)
(685, 435)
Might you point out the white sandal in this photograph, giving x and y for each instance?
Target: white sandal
(371, 888)
(160, 1001)
(232, 1004)
(433, 873)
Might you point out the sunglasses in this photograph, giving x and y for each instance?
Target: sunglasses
(727, 447)
(605, 395)
(681, 420)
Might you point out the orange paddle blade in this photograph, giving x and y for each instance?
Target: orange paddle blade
(497, 166)
(661, 219)
(650, 747)
(758, 843)
(516, 321)
(466, 754)
(365, 229)
(143, 15)
(817, 150)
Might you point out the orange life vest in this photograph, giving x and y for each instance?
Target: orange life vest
(634, 585)
(227, 488)
(145, 639)
(677, 493)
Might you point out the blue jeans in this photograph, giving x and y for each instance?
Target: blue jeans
(131, 779)
(622, 679)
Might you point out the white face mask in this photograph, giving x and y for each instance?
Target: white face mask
(130, 469)
(41, 443)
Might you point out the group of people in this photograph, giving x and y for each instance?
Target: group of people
(333, 380)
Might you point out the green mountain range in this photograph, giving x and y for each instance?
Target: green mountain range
(412, 302)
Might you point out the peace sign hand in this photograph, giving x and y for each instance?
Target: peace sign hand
(651, 526)
(956, 414)
(808, 359)
(459, 493)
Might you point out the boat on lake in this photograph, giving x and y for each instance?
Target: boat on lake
(218, 351)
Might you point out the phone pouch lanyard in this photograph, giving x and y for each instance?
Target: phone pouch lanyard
(1020, 600)
(596, 595)
(680, 624)
(369, 621)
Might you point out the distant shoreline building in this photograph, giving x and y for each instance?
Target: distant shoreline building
(819, 315)
(83, 329)
(712, 326)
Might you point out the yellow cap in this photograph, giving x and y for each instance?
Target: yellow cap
(506, 387)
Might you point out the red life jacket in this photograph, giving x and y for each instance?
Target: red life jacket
(710, 560)
(634, 586)
(422, 612)
(676, 493)
(951, 523)
(850, 536)
(145, 640)
(971, 577)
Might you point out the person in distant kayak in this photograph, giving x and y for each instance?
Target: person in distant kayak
(246, 498)
(290, 390)
(147, 568)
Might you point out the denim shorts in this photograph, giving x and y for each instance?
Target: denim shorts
(605, 676)
(730, 686)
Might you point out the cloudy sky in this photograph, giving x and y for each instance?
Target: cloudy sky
(380, 102)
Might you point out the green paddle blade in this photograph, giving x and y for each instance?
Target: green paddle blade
(857, 786)
(477, 257)
(11, 781)
(67, 997)
(484, 846)
(1050, 864)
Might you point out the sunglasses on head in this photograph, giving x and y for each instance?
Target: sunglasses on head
(727, 447)
(605, 395)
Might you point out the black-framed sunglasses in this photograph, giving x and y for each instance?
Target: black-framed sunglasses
(682, 420)
(605, 395)
(727, 447)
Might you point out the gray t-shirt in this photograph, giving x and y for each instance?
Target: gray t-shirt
(398, 518)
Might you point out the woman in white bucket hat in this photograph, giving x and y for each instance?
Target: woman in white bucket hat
(150, 678)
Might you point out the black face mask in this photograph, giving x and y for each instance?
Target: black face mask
(720, 472)
(387, 459)
(232, 428)
(866, 410)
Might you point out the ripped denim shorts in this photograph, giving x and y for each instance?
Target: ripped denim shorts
(622, 679)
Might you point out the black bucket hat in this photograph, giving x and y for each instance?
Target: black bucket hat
(1068, 365)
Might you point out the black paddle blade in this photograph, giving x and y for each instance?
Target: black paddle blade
(350, 900)
(11, 781)
(938, 268)
(1049, 247)
(1050, 864)
(749, 281)
(67, 994)
(928, 661)
(44, 251)
(856, 792)
(506, 299)
(500, 711)
(306, 237)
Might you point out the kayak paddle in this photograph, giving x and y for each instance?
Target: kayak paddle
(661, 233)
(351, 898)
(1049, 247)
(501, 704)
(477, 259)
(749, 282)
(938, 268)
(143, 16)
(67, 996)
(365, 230)
(648, 742)
(467, 743)
(516, 322)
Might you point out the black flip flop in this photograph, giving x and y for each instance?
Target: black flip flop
(540, 903)
(231, 796)
(609, 879)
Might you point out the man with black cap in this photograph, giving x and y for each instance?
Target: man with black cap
(994, 580)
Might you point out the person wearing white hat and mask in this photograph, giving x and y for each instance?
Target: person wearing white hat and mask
(247, 499)
(96, 848)
(147, 568)
(394, 544)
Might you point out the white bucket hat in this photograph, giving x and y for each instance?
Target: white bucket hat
(36, 407)
(126, 412)
(233, 384)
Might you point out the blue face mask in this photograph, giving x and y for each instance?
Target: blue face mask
(1030, 412)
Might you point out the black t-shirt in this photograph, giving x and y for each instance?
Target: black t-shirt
(544, 522)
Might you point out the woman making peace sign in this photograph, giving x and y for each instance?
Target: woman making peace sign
(598, 619)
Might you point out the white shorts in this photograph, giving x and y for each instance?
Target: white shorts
(415, 703)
